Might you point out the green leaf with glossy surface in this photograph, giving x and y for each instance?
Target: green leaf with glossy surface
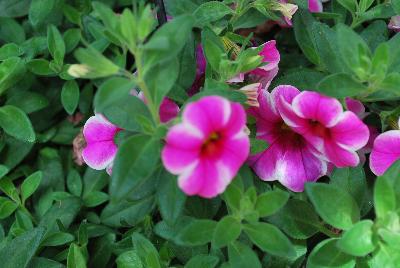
(15, 123)
(357, 241)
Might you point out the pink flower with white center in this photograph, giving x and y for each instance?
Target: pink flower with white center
(100, 149)
(337, 135)
(385, 152)
(290, 158)
(394, 23)
(168, 109)
(207, 149)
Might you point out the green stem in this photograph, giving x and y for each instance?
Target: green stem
(143, 86)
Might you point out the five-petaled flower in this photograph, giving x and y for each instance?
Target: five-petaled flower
(100, 150)
(290, 159)
(335, 134)
(208, 147)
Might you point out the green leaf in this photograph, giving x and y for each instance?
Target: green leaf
(30, 184)
(102, 250)
(70, 96)
(15, 123)
(240, 255)
(74, 182)
(9, 50)
(44, 12)
(93, 199)
(384, 197)
(126, 213)
(350, 5)
(11, 8)
(11, 71)
(75, 257)
(28, 101)
(56, 45)
(40, 67)
(203, 261)
(211, 11)
(227, 230)
(354, 51)
(357, 241)
(7, 207)
(198, 232)
(114, 100)
(270, 202)
(3, 171)
(170, 198)
(146, 251)
(341, 85)
(136, 161)
(20, 250)
(57, 239)
(40, 262)
(129, 259)
(167, 41)
(302, 24)
(270, 239)
(326, 254)
(335, 206)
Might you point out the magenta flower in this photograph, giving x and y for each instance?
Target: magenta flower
(100, 149)
(337, 135)
(394, 23)
(290, 158)
(385, 152)
(356, 107)
(207, 149)
(315, 6)
(201, 64)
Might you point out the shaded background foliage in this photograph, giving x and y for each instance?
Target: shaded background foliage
(55, 213)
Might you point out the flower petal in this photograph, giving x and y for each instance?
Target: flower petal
(340, 156)
(385, 152)
(271, 55)
(315, 6)
(99, 155)
(350, 131)
(314, 106)
(356, 107)
(208, 114)
(168, 110)
(98, 128)
(290, 162)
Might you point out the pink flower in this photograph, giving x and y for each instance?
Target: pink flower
(356, 107)
(385, 152)
(394, 23)
(207, 149)
(100, 149)
(168, 109)
(267, 72)
(315, 6)
(290, 158)
(337, 135)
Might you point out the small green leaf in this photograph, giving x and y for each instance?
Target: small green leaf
(211, 11)
(129, 259)
(357, 241)
(146, 251)
(341, 85)
(334, 205)
(198, 232)
(74, 182)
(57, 239)
(15, 123)
(350, 5)
(7, 186)
(93, 199)
(270, 239)
(270, 202)
(30, 185)
(227, 230)
(7, 207)
(70, 96)
(75, 257)
(384, 197)
(203, 261)
(40, 67)
(56, 45)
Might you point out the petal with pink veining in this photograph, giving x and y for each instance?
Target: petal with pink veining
(385, 152)
(314, 106)
(350, 131)
(270, 55)
(99, 154)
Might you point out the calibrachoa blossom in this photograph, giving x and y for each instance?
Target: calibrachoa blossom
(315, 5)
(290, 159)
(385, 152)
(207, 149)
(337, 135)
(100, 149)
